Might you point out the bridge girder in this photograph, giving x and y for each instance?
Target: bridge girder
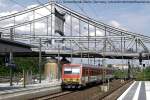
(112, 39)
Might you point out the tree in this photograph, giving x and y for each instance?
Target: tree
(109, 65)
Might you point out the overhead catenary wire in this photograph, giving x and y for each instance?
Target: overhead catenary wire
(139, 35)
(88, 27)
(105, 1)
(101, 24)
(71, 29)
(13, 1)
(23, 6)
(49, 10)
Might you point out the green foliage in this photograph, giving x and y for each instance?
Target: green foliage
(120, 74)
(109, 65)
(4, 71)
(26, 63)
(143, 75)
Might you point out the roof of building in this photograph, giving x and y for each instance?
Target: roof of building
(7, 45)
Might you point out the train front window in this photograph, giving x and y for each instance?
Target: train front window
(76, 70)
(67, 71)
(72, 70)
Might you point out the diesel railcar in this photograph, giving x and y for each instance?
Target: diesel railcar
(78, 75)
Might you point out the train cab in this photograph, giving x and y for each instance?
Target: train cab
(71, 75)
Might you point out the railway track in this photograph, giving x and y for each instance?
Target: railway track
(54, 95)
(117, 92)
(113, 90)
(90, 92)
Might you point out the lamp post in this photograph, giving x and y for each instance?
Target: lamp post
(40, 58)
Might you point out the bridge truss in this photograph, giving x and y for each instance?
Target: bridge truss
(83, 36)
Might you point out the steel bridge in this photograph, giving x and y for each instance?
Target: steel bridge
(81, 37)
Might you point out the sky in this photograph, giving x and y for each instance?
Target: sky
(132, 17)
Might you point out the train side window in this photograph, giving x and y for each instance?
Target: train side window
(86, 71)
(83, 72)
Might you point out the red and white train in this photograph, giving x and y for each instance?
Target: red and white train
(78, 75)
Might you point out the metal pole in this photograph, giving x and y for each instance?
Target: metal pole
(129, 68)
(14, 26)
(88, 44)
(122, 52)
(47, 28)
(144, 71)
(148, 60)
(104, 49)
(33, 24)
(124, 44)
(59, 72)
(136, 40)
(79, 39)
(1, 34)
(11, 71)
(71, 39)
(108, 83)
(95, 46)
(47, 25)
(40, 58)
(30, 33)
(105, 40)
(11, 34)
(51, 22)
(24, 79)
(121, 42)
(10, 58)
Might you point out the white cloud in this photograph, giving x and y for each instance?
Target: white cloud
(40, 25)
(25, 17)
(31, 6)
(7, 13)
(38, 13)
(8, 25)
(98, 33)
(115, 23)
(92, 33)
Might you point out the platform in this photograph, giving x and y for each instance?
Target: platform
(17, 92)
(138, 90)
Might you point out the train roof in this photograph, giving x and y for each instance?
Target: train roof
(87, 66)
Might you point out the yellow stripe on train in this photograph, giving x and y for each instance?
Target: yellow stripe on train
(71, 80)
